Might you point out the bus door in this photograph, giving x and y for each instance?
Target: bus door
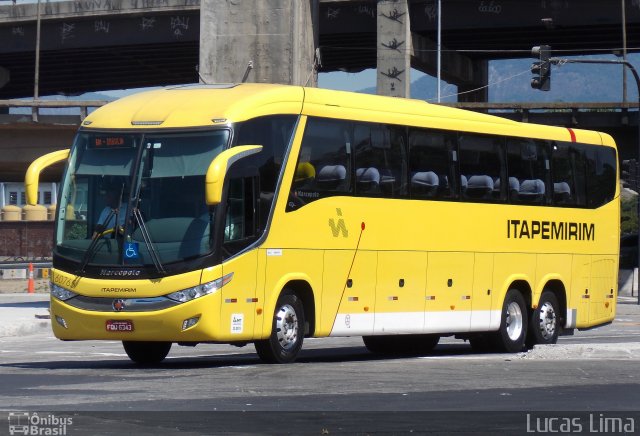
(400, 288)
(449, 291)
(239, 297)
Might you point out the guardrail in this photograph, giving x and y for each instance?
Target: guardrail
(36, 104)
(25, 265)
(24, 276)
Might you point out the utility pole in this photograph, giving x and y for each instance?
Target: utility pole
(36, 77)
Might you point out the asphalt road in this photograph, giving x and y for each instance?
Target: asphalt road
(335, 387)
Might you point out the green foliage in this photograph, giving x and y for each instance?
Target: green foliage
(628, 215)
(77, 231)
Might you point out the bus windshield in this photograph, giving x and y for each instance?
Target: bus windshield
(137, 198)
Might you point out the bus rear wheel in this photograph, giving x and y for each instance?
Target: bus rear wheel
(544, 324)
(513, 324)
(401, 344)
(146, 353)
(287, 332)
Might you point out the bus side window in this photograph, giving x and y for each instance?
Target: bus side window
(601, 174)
(274, 133)
(568, 175)
(482, 167)
(380, 160)
(527, 163)
(240, 226)
(429, 166)
(323, 168)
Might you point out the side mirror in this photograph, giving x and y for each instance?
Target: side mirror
(33, 173)
(214, 181)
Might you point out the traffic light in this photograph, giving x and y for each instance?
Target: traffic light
(541, 69)
(629, 174)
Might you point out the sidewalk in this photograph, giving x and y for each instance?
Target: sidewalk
(22, 313)
(19, 286)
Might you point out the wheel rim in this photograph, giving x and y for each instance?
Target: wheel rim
(547, 320)
(514, 321)
(287, 327)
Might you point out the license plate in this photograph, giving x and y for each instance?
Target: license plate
(119, 326)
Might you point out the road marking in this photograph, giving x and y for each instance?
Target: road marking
(58, 352)
(109, 354)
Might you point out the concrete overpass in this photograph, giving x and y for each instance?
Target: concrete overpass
(89, 45)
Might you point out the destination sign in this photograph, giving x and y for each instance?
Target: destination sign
(112, 141)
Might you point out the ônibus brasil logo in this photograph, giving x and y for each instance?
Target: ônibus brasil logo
(25, 423)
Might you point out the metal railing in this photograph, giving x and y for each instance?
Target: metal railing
(36, 104)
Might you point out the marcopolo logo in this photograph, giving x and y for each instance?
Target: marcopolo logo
(24, 423)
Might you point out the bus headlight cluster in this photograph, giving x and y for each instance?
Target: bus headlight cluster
(61, 293)
(200, 291)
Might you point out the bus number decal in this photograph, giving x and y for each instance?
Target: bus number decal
(237, 322)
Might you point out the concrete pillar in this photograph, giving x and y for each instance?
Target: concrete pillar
(269, 41)
(393, 49)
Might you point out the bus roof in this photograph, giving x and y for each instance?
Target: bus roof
(208, 105)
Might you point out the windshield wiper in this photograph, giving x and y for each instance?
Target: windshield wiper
(147, 240)
(94, 242)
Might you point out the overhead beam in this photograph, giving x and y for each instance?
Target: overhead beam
(456, 68)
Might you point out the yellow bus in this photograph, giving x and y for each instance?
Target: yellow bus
(264, 214)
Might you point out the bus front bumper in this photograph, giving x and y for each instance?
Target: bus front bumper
(193, 321)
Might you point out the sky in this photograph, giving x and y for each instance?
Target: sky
(509, 81)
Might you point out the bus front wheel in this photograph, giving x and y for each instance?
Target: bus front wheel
(513, 324)
(544, 325)
(287, 332)
(146, 353)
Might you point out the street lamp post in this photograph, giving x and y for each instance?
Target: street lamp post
(439, 48)
(36, 78)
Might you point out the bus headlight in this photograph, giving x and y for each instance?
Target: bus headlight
(201, 290)
(61, 293)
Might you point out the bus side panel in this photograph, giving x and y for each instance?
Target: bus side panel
(580, 291)
(602, 289)
(449, 290)
(238, 305)
(334, 281)
(285, 265)
(552, 267)
(400, 292)
(481, 300)
(355, 314)
(509, 267)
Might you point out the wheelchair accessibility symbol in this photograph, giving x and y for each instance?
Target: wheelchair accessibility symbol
(131, 250)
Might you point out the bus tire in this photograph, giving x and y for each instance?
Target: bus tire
(401, 344)
(544, 325)
(146, 353)
(513, 323)
(287, 332)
